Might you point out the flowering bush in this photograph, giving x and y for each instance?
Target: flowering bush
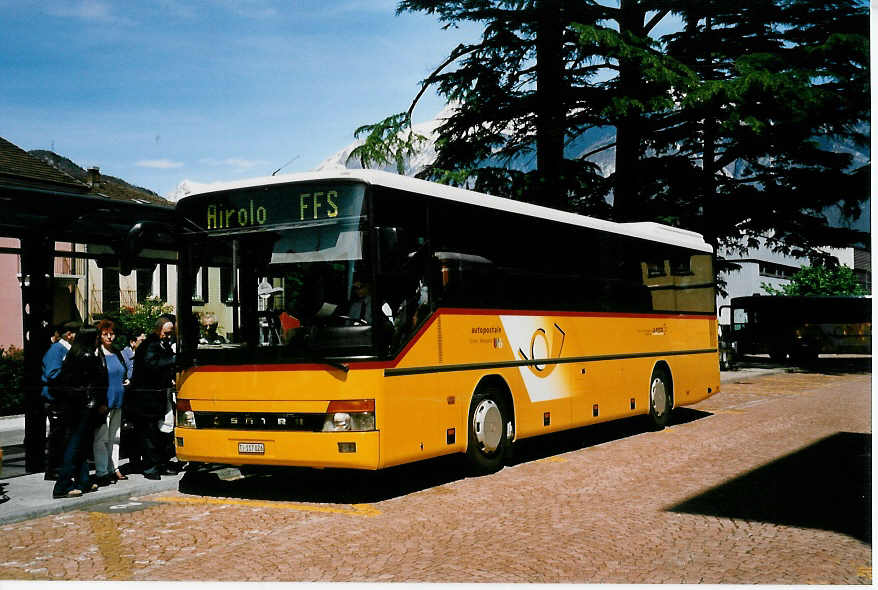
(139, 319)
(11, 379)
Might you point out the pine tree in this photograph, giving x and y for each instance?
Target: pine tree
(730, 127)
(781, 101)
(518, 94)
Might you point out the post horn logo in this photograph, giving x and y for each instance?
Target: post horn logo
(543, 370)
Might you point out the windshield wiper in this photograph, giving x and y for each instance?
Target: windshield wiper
(334, 364)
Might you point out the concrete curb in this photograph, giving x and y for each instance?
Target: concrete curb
(30, 496)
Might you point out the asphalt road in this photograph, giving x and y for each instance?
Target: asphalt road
(767, 482)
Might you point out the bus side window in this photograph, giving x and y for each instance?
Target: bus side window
(681, 266)
(739, 319)
(655, 268)
(466, 279)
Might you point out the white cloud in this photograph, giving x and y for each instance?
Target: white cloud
(88, 10)
(237, 163)
(161, 164)
(380, 6)
(255, 9)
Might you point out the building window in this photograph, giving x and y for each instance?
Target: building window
(777, 271)
(144, 285)
(163, 282)
(226, 294)
(110, 295)
(205, 284)
(199, 292)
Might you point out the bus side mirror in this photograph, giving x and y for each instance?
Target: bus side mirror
(135, 241)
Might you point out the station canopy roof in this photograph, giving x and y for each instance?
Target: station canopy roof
(38, 199)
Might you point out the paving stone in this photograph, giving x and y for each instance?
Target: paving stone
(712, 499)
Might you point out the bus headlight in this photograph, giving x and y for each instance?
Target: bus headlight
(185, 415)
(350, 416)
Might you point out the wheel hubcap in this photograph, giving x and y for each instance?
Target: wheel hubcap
(659, 397)
(488, 425)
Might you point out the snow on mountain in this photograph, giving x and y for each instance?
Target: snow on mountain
(585, 143)
(187, 187)
(413, 165)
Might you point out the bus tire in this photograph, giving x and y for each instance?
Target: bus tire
(661, 397)
(487, 444)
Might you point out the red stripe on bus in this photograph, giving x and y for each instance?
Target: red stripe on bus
(581, 314)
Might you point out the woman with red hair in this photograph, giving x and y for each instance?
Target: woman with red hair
(112, 378)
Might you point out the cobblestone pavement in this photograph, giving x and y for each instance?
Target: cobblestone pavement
(767, 482)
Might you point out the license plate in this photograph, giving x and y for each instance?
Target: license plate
(251, 448)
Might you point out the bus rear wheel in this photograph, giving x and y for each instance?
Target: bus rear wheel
(661, 398)
(487, 443)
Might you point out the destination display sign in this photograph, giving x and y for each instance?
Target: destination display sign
(274, 204)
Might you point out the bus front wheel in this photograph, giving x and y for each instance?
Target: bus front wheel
(487, 442)
(661, 398)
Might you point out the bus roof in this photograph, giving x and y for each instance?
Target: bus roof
(645, 230)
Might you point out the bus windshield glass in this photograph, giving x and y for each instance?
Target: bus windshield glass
(298, 289)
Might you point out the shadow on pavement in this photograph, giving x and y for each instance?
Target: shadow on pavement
(547, 445)
(348, 486)
(824, 486)
(843, 365)
(339, 486)
(826, 364)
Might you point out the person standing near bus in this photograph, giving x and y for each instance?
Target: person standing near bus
(84, 406)
(147, 401)
(53, 402)
(112, 378)
(129, 351)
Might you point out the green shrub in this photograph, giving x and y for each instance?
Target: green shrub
(820, 280)
(139, 319)
(11, 381)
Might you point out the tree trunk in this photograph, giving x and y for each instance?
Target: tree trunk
(629, 133)
(550, 105)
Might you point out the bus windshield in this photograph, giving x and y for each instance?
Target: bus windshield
(293, 291)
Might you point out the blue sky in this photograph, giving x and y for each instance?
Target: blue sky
(158, 91)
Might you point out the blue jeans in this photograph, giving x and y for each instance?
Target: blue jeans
(74, 469)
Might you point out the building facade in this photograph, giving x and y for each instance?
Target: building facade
(761, 266)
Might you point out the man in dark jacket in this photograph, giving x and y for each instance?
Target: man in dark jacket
(146, 402)
(84, 407)
(55, 403)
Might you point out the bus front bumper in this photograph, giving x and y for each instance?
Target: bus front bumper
(352, 450)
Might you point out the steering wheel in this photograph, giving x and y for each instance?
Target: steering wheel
(353, 321)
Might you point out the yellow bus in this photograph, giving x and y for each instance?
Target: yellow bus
(360, 319)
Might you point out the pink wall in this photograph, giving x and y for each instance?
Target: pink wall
(10, 297)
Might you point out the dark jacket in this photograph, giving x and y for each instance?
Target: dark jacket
(154, 369)
(79, 381)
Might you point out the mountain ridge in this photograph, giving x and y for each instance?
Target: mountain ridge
(110, 186)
